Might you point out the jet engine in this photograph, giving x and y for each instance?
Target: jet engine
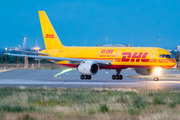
(144, 71)
(88, 68)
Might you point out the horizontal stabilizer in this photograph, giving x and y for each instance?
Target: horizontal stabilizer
(37, 53)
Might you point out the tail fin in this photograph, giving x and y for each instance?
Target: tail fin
(51, 39)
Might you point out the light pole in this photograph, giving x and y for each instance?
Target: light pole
(159, 40)
(37, 50)
(25, 58)
(6, 54)
(19, 47)
(106, 40)
(18, 57)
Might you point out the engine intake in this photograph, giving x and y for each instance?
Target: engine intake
(88, 68)
(144, 71)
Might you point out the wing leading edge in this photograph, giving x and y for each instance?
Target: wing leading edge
(57, 59)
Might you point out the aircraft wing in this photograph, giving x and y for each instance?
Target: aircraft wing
(37, 53)
(58, 59)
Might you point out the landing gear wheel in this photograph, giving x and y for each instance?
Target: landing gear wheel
(82, 77)
(87, 77)
(156, 79)
(117, 77)
(120, 77)
(113, 77)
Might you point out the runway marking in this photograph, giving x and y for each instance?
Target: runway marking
(63, 71)
(22, 81)
(112, 83)
(165, 82)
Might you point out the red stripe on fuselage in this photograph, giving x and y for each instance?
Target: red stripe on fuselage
(121, 66)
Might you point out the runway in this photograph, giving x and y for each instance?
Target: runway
(45, 78)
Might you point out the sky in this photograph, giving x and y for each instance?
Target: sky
(135, 22)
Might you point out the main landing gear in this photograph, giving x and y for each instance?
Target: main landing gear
(156, 79)
(117, 76)
(85, 77)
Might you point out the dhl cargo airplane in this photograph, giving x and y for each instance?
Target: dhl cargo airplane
(89, 60)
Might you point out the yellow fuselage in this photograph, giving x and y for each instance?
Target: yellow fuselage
(120, 57)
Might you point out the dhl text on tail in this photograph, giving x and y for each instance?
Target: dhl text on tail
(89, 60)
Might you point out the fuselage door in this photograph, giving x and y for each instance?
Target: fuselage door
(152, 55)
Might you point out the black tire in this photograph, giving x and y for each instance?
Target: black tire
(113, 77)
(156, 79)
(120, 77)
(82, 77)
(117, 77)
(88, 77)
(85, 77)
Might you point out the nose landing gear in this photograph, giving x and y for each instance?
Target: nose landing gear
(117, 76)
(156, 78)
(157, 72)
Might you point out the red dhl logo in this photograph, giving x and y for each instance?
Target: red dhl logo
(110, 51)
(50, 36)
(136, 57)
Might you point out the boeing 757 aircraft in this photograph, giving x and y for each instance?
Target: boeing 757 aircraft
(89, 60)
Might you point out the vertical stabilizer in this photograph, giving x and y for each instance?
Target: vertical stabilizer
(51, 39)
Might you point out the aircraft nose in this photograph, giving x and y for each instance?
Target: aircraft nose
(173, 62)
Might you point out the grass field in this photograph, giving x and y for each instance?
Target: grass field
(88, 103)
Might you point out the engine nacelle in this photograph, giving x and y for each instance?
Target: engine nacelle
(144, 71)
(88, 68)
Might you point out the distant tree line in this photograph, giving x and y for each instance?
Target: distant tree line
(18, 60)
(176, 55)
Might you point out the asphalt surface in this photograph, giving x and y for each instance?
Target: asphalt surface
(71, 79)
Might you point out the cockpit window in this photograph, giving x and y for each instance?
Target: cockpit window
(165, 56)
(168, 56)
